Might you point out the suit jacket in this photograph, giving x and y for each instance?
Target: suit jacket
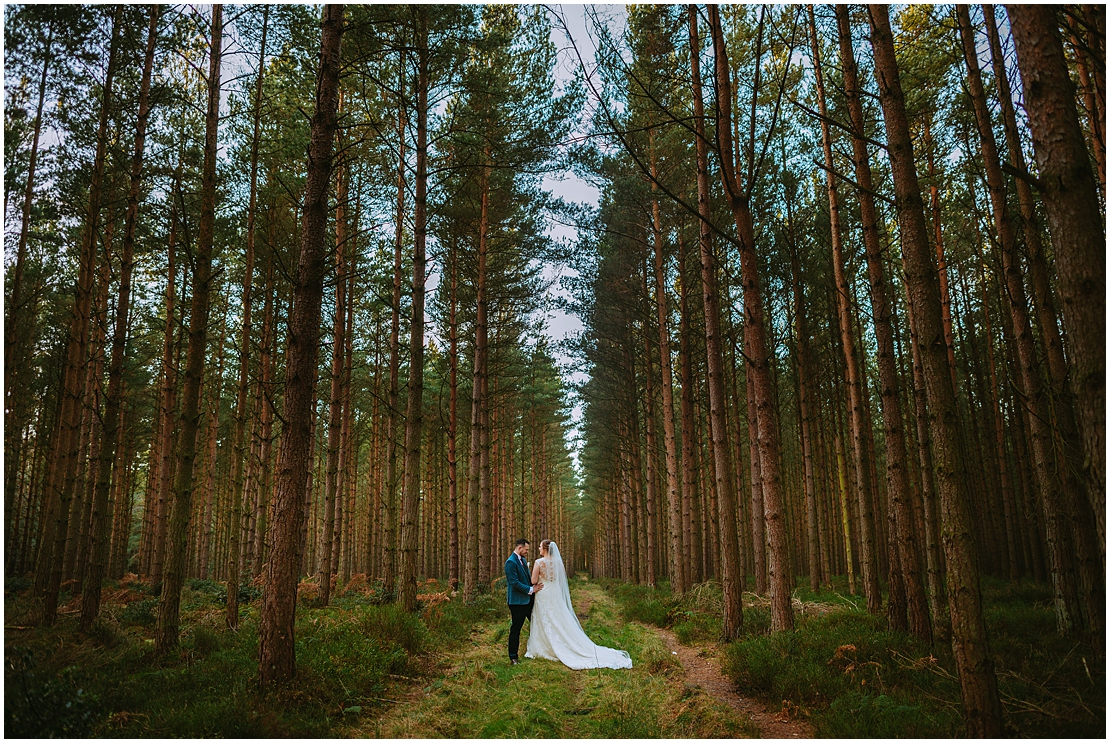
(517, 580)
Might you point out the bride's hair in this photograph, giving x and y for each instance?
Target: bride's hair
(544, 545)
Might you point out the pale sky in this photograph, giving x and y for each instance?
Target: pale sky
(567, 185)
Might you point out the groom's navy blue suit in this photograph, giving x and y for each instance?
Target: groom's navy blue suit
(518, 585)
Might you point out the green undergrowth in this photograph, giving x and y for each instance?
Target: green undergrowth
(480, 695)
(853, 677)
(112, 683)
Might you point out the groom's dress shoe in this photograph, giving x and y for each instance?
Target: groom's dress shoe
(514, 662)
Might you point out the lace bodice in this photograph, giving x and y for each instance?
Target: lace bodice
(556, 633)
(546, 574)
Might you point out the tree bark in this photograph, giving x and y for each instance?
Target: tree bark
(171, 357)
(239, 445)
(178, 520)
(758, 520)
(978, 685)
(13, 339)
(690, 557)
(276, 651)
(389, 525)
(92, 427)
(674, 505)
(473, 580)
(650, 448)
(52, 552)
(1074, 219)
(327, 555)
(1005, 482)
(1096, 116)
(869, 561)
(755, 346)
(453, 427)
(898, 491)
(1029, 368)
(99, 530)
(415, 415)
(1058, 485)
(804, 369)
(733, 622)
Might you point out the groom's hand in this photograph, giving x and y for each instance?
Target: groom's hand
(537, 588)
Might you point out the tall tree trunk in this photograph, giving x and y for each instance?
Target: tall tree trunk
(239, 444)
(1058, 485)
(898, 491)
(804, 369)
(674, 505)
(453, 426)
(726, 497)
(13, 339)
(154, 468)
(178, 521)
(262, 470)
(214, 392)
(845, 520)
(389, 525)
(92, 427)
(473, 580)
(99, 532)
(758, 520)
(415, 414)
(171, 363)
(327, 555)
(933, 551)
(1063, 399)
(200, 529)
(276, 651)
(978, 685)
(485, 503)
(1096, 116)
(52, 552)
(938, 246)
(868, 558)
(690, 555)
(347, 462)
(1005, 482)
(651, 448)
(756, 348)
(1074, 219)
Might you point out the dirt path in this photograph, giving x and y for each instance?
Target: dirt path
(471, 691)
(703, 670)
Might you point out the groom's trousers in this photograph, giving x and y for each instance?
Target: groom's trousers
(520, 612)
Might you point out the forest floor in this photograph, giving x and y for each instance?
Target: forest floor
(702, 667)
(367, 669)
(479, 694)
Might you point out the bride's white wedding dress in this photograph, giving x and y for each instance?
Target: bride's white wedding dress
(555, 632)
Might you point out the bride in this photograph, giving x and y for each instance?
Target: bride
(556, 633)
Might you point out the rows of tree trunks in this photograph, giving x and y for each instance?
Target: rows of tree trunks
(184, 423)
(878, 384)
(843, 306)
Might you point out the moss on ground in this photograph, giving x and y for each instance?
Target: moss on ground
(482, 696)
(853, 677)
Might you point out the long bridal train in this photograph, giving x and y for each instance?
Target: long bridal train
(556, 633)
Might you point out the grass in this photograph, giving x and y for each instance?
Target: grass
(367, 669)
(364, 668)
(112, 683)
(853, 677)
(481, 695)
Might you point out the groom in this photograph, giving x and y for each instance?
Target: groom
(521, 594)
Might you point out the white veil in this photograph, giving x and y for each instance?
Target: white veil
(556, 632)
(559, 576)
